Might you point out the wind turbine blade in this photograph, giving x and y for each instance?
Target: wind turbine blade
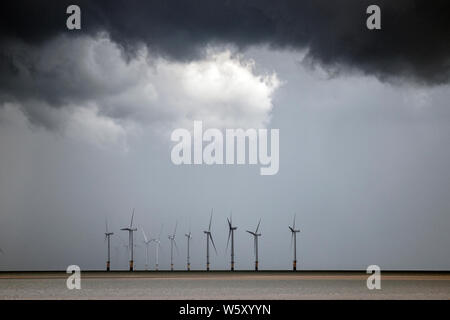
(229, 223)
(145, 236)
(175, 231)
(228, 241)
(132, 216)
(290, 228)
(106, 224)
(210, 220)
(257, 228)
(212, 241)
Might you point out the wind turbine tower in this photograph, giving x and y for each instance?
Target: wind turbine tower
(209, 237)
(130, 230)
(255, 238)
(294, 238)
(172, 243)
(158, 246)
(107, 237)
(231, 230)
(147, 242)
(189, 237)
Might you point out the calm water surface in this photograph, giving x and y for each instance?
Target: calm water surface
(146, 288)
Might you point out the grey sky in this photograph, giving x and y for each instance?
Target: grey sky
(86, 117)
(363, 164)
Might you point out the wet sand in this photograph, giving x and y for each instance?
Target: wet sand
(224, 285)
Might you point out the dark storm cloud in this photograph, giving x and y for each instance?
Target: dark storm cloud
(413, 43)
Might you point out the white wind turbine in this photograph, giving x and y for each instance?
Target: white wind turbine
(209, 237)
(189, 237)
(294, 238)
(172, 243)
(107, 237)
(231, 230)
(157, 241)
(130, 230)
(147, 243)
(255, 239)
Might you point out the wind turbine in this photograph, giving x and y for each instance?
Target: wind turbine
(255, 238)
(231, 230)
(189, 237)
(130, 230)
(147, 242)
(208, 237)
(158, 246)
(107, 237)
(172, 242)
(294, 237)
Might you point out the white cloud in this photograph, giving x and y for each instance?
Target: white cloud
(98, 93)
(86, 124)
(222, 90)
